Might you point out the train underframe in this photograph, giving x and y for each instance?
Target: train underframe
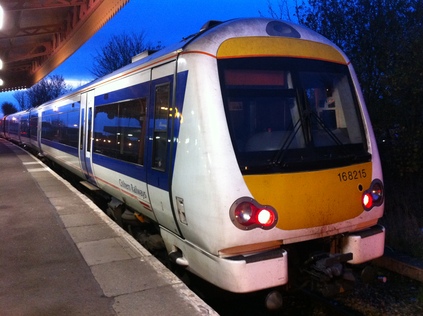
(325, 271)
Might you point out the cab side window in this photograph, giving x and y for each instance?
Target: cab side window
(161, 116)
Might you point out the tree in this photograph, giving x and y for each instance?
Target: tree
(8, 108)
(118, 52)
(47, 89)
(282, 13)
(22, 98)
(383, 38)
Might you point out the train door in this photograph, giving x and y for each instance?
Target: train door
(85, 137)
(159, 159)
(35, 129)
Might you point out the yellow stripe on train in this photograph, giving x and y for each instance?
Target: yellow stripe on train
(273, 46)
(313, 199)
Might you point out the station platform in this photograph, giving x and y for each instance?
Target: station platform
(61, 255)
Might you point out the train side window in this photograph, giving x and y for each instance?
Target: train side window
(48, 125)
(161, 115)
(13, 126)
(24, 131)
(119, 130)
(71, 128)
(60, 125)
(33, 125)
(132, 130)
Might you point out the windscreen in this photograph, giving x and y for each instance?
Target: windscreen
(291, 114)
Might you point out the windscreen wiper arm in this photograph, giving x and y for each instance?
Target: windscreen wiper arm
(327, 130)
(279, 157)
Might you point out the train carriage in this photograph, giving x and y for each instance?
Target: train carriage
(14, 127)
(249, 145)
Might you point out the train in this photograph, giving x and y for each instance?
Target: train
(248, 145)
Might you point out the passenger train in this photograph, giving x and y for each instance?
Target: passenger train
(247, 144)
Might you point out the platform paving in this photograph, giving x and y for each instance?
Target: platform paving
(61, 255)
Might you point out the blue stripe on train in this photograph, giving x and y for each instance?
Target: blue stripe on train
(62, 147)
(123, 167)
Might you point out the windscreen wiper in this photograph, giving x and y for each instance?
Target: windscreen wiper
(279, 157)
(326, 129)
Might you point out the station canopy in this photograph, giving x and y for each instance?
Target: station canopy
(38, 35)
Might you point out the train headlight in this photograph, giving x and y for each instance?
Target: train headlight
(373, 196)
(247, 214)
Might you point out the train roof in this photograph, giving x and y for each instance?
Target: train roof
(212, 37)
(213, 33)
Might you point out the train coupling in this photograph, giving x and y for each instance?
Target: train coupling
(328, 273)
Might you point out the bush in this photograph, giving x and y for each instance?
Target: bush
(403, 216)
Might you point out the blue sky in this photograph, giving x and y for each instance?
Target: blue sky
(164, 21)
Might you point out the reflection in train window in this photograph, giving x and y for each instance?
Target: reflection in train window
(119, 130)
(60, 125)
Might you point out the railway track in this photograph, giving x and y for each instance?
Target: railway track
(327, 306)
(401, 264)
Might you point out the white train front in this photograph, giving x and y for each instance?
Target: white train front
(249, 144)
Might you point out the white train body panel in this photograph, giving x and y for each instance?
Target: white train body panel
(129, 190)
(205, 156)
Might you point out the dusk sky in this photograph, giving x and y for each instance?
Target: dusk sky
(164, 21)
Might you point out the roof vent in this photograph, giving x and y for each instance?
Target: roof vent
(209, 25)
(142, 55)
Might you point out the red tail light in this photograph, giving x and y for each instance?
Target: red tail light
(373, 196)
(247, 214)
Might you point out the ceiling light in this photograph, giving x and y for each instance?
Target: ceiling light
(1, 17)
